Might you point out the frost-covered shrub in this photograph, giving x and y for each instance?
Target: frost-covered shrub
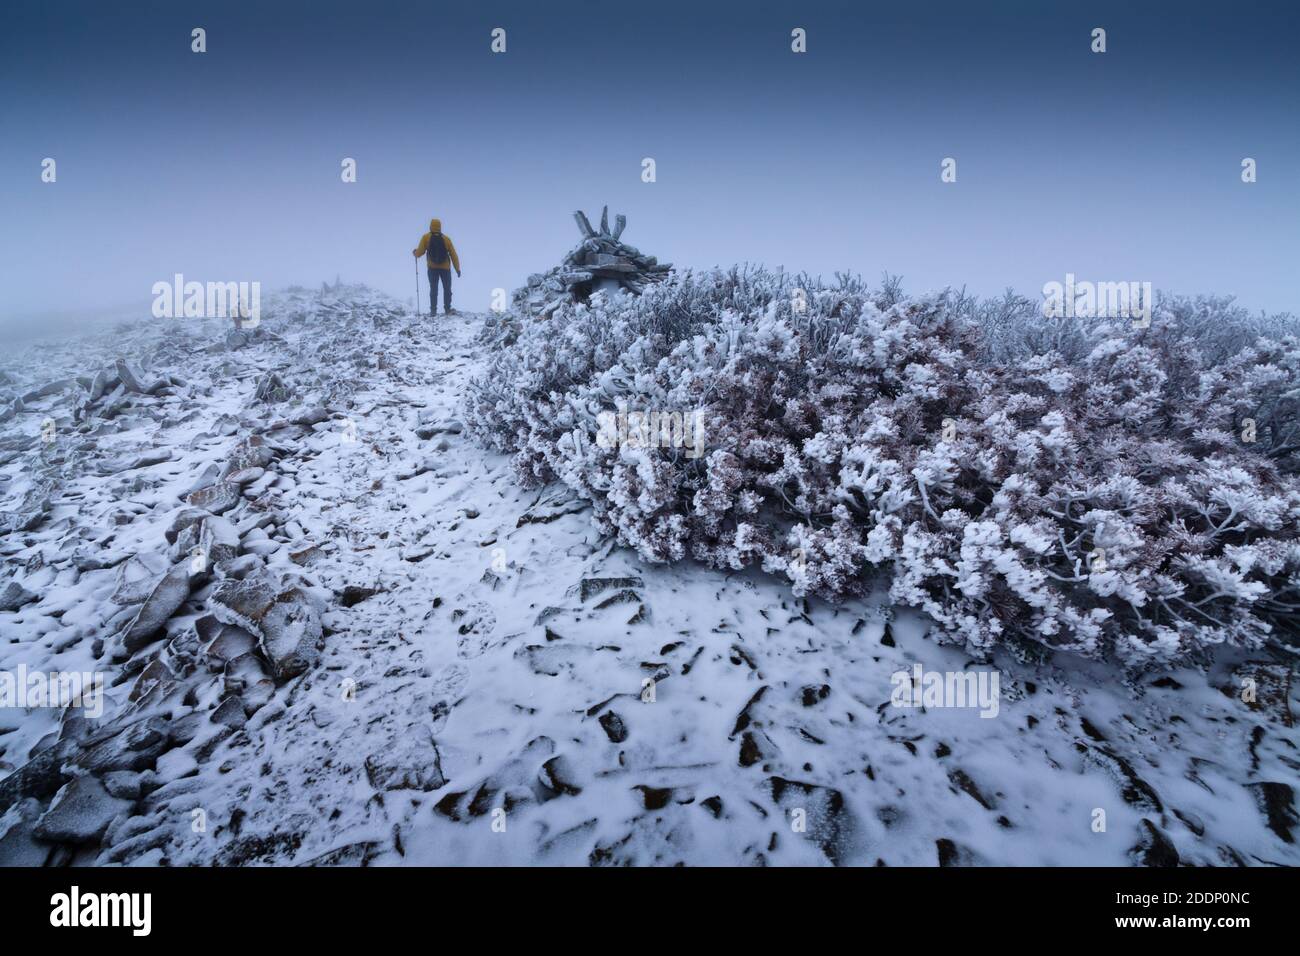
(1014, 326)
(1104, 489)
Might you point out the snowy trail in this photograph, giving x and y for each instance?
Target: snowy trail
(499, 685)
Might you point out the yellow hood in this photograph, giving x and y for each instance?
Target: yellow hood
(435, 229)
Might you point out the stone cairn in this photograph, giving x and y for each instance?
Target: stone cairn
(599, 263)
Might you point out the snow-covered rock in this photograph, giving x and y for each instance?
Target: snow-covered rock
(80, 812)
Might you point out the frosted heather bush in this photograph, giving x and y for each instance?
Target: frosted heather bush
(1101, 489)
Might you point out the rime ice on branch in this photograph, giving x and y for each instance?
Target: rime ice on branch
(600, 262)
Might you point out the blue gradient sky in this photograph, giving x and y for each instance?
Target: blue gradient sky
(225, 166)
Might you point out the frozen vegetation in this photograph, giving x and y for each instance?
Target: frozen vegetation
(336, 626)
(1108, 490)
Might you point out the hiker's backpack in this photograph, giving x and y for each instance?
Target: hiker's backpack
(437, 249)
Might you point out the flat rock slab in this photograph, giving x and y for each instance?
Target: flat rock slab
(183, 519)
(134, 747)
(17, 845)
(217, 498)
(80, 813)
(826, 819)
(114, 466)
(414, 765)
(218, 539)
(13, 596)
(312, 416)
(291, 634)
(252, 452)
(135, 580)
(231, 642)
(245, 476)
(167, 596)
(243, 603)
(51, 388)
(130, 381)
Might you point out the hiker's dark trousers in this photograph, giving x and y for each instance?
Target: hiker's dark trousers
(436, 276)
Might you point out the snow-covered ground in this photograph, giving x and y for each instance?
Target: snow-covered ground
(493, 683)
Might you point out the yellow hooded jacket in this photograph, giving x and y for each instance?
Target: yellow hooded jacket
(435, 229)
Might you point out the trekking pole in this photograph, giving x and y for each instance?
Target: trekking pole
(417, 287)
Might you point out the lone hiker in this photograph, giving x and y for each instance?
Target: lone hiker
(441, 256)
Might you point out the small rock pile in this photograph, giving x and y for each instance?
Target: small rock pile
(600, 262)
